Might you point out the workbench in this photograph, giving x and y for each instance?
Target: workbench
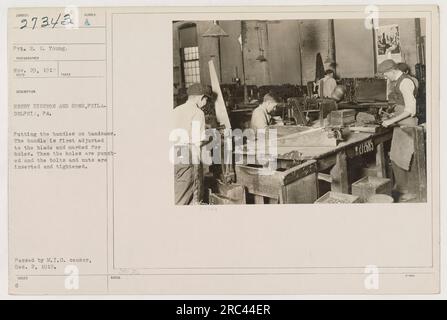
(356, 144)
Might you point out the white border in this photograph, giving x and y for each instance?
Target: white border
(5, 4)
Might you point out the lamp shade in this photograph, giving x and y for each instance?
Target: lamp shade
(215, 31)
(261, 58)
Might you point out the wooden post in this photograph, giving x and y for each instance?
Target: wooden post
(339, 174)
(420, 54)
(300, 51)
(380, 161)
(220, 59)
(220, 56)
(374, 35)
(243, 31)
(331, 46)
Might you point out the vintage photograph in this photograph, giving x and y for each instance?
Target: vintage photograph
(217, 151)
(299, 111)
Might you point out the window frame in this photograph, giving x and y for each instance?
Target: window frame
(183, 58)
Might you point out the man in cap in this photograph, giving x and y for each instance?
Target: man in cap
(190, 118)
(404, 96)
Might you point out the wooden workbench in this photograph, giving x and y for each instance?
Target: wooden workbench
(356, 144)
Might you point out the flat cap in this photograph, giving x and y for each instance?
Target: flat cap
(197, 89)
(386, 65)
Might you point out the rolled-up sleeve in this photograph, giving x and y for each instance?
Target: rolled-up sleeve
(198, 125)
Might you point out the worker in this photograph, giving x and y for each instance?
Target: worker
(262, 115)
(404, 93)
(404, 117)
(327, 84)
(189, 116)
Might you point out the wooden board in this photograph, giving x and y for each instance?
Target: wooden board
(221, 110)
(368, 129)
(284, 131)
(310, 138)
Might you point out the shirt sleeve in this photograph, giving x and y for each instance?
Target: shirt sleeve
(407, 88)
(199, 122)
(329, 87)
(258, 120)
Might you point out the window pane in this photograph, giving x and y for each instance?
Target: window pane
(191, 65)
(191, 53)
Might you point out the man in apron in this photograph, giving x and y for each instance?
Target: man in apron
(190, 119)
(403, 94)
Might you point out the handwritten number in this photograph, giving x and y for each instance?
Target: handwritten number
(24, 23)
(45, 22)
(67, 20)
(34, 20)
(54, 23)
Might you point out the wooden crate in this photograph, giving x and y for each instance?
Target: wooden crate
(297, 184)
(338, 198)
(227, 194)
(218, 199)
(368, 186)
(370, 171)
(341, 117)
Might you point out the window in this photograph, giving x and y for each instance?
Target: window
(189, 52)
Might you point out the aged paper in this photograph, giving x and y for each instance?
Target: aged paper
(91, 185)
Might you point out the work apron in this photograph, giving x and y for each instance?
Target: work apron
(402, 151)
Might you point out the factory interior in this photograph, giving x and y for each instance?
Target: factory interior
(347, 101)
